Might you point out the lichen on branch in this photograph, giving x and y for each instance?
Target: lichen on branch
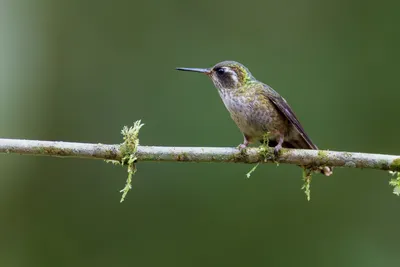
(128, 150)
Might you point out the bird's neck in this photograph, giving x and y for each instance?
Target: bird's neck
(243, 90)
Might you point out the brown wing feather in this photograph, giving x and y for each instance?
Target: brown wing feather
(286, 110)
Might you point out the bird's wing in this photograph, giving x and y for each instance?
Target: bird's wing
(285, 109)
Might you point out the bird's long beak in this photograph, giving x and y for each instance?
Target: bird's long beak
(205, 71)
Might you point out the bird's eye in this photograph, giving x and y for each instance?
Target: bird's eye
(220, 70)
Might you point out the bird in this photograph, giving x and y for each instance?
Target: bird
(257, 109)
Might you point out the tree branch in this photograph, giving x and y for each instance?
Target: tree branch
(202, 154)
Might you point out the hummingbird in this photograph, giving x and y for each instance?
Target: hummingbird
(257, 109)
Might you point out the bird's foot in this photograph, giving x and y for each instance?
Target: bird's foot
(242, 147)
(277, 149)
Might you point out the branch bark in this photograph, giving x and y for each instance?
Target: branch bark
(202, 154)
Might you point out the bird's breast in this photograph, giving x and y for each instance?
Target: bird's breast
(253, 114)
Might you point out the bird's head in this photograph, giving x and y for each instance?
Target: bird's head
(226, 75)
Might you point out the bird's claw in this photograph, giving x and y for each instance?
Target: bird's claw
(242, 147)
(277, 149)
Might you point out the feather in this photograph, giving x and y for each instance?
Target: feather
(286, 110)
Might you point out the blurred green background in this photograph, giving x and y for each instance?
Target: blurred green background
(80, 70)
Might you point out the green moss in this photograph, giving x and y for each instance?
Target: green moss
(110, 154)
(252, 170)
(237, 157)
(182, 157)
(395, 166)
(395, 182)
(283, 151)
(383, 164)
(307, 176)
(128, 150)
(264, 150)
(322, 156)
